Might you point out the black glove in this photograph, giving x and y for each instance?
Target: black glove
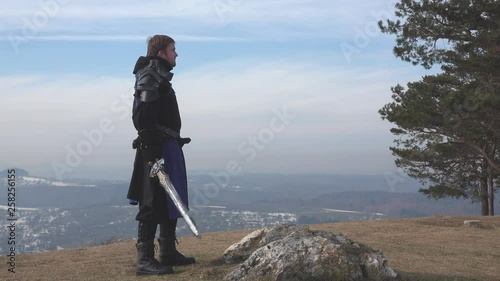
(137, 143)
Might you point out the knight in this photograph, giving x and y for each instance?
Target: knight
(156, 117)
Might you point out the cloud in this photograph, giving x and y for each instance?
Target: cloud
(198, 10)
(192, 20)
(223, 105)
(132, 38)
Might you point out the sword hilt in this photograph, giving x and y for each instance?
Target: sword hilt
(157, 167)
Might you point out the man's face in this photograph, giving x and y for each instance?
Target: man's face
(169, 54)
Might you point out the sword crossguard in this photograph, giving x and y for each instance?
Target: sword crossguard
(157, 167)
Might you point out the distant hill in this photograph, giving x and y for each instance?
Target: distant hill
(18, 172)
(83, 212)
(422, 249)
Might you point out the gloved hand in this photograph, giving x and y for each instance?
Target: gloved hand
(136, 143)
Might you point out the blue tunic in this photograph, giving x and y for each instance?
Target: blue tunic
(175, 168)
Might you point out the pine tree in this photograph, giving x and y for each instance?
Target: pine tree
(448, 124)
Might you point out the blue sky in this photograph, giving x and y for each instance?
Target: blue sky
(263, 86)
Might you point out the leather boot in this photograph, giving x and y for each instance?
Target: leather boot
(169, 255)
(146, 262)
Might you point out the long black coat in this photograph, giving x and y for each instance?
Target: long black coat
(163, 111)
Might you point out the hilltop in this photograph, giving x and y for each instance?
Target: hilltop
(431, 249)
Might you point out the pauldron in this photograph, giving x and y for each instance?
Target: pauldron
(149, 79)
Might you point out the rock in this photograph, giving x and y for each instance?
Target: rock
(475, 223)
(240, 251)
(292, 252)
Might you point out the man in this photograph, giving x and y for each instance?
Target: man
(157, 120)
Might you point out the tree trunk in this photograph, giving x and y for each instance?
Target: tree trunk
(489, 161)
(492, 193)
(484, 195)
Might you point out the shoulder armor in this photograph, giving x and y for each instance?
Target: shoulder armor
(149, 79)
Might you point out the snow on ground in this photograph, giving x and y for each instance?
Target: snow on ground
(3, 207)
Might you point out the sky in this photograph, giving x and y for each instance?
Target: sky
(263, 86)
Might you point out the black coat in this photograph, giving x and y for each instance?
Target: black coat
(163, 111)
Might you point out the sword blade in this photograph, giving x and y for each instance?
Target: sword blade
(170, 189)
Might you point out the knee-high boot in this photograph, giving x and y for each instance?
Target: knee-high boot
(146, 262)
(168, 253)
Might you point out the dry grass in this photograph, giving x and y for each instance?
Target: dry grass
(430, 249)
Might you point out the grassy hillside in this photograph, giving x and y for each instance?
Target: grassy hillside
(430, 249)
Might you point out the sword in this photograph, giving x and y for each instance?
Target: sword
(157, 170)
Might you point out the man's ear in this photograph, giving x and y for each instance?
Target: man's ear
(160, 52)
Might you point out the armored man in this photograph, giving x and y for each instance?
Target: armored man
(157, 120)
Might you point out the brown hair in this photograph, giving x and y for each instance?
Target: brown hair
(157, 43)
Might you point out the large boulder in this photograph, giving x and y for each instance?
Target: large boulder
(292, 252)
